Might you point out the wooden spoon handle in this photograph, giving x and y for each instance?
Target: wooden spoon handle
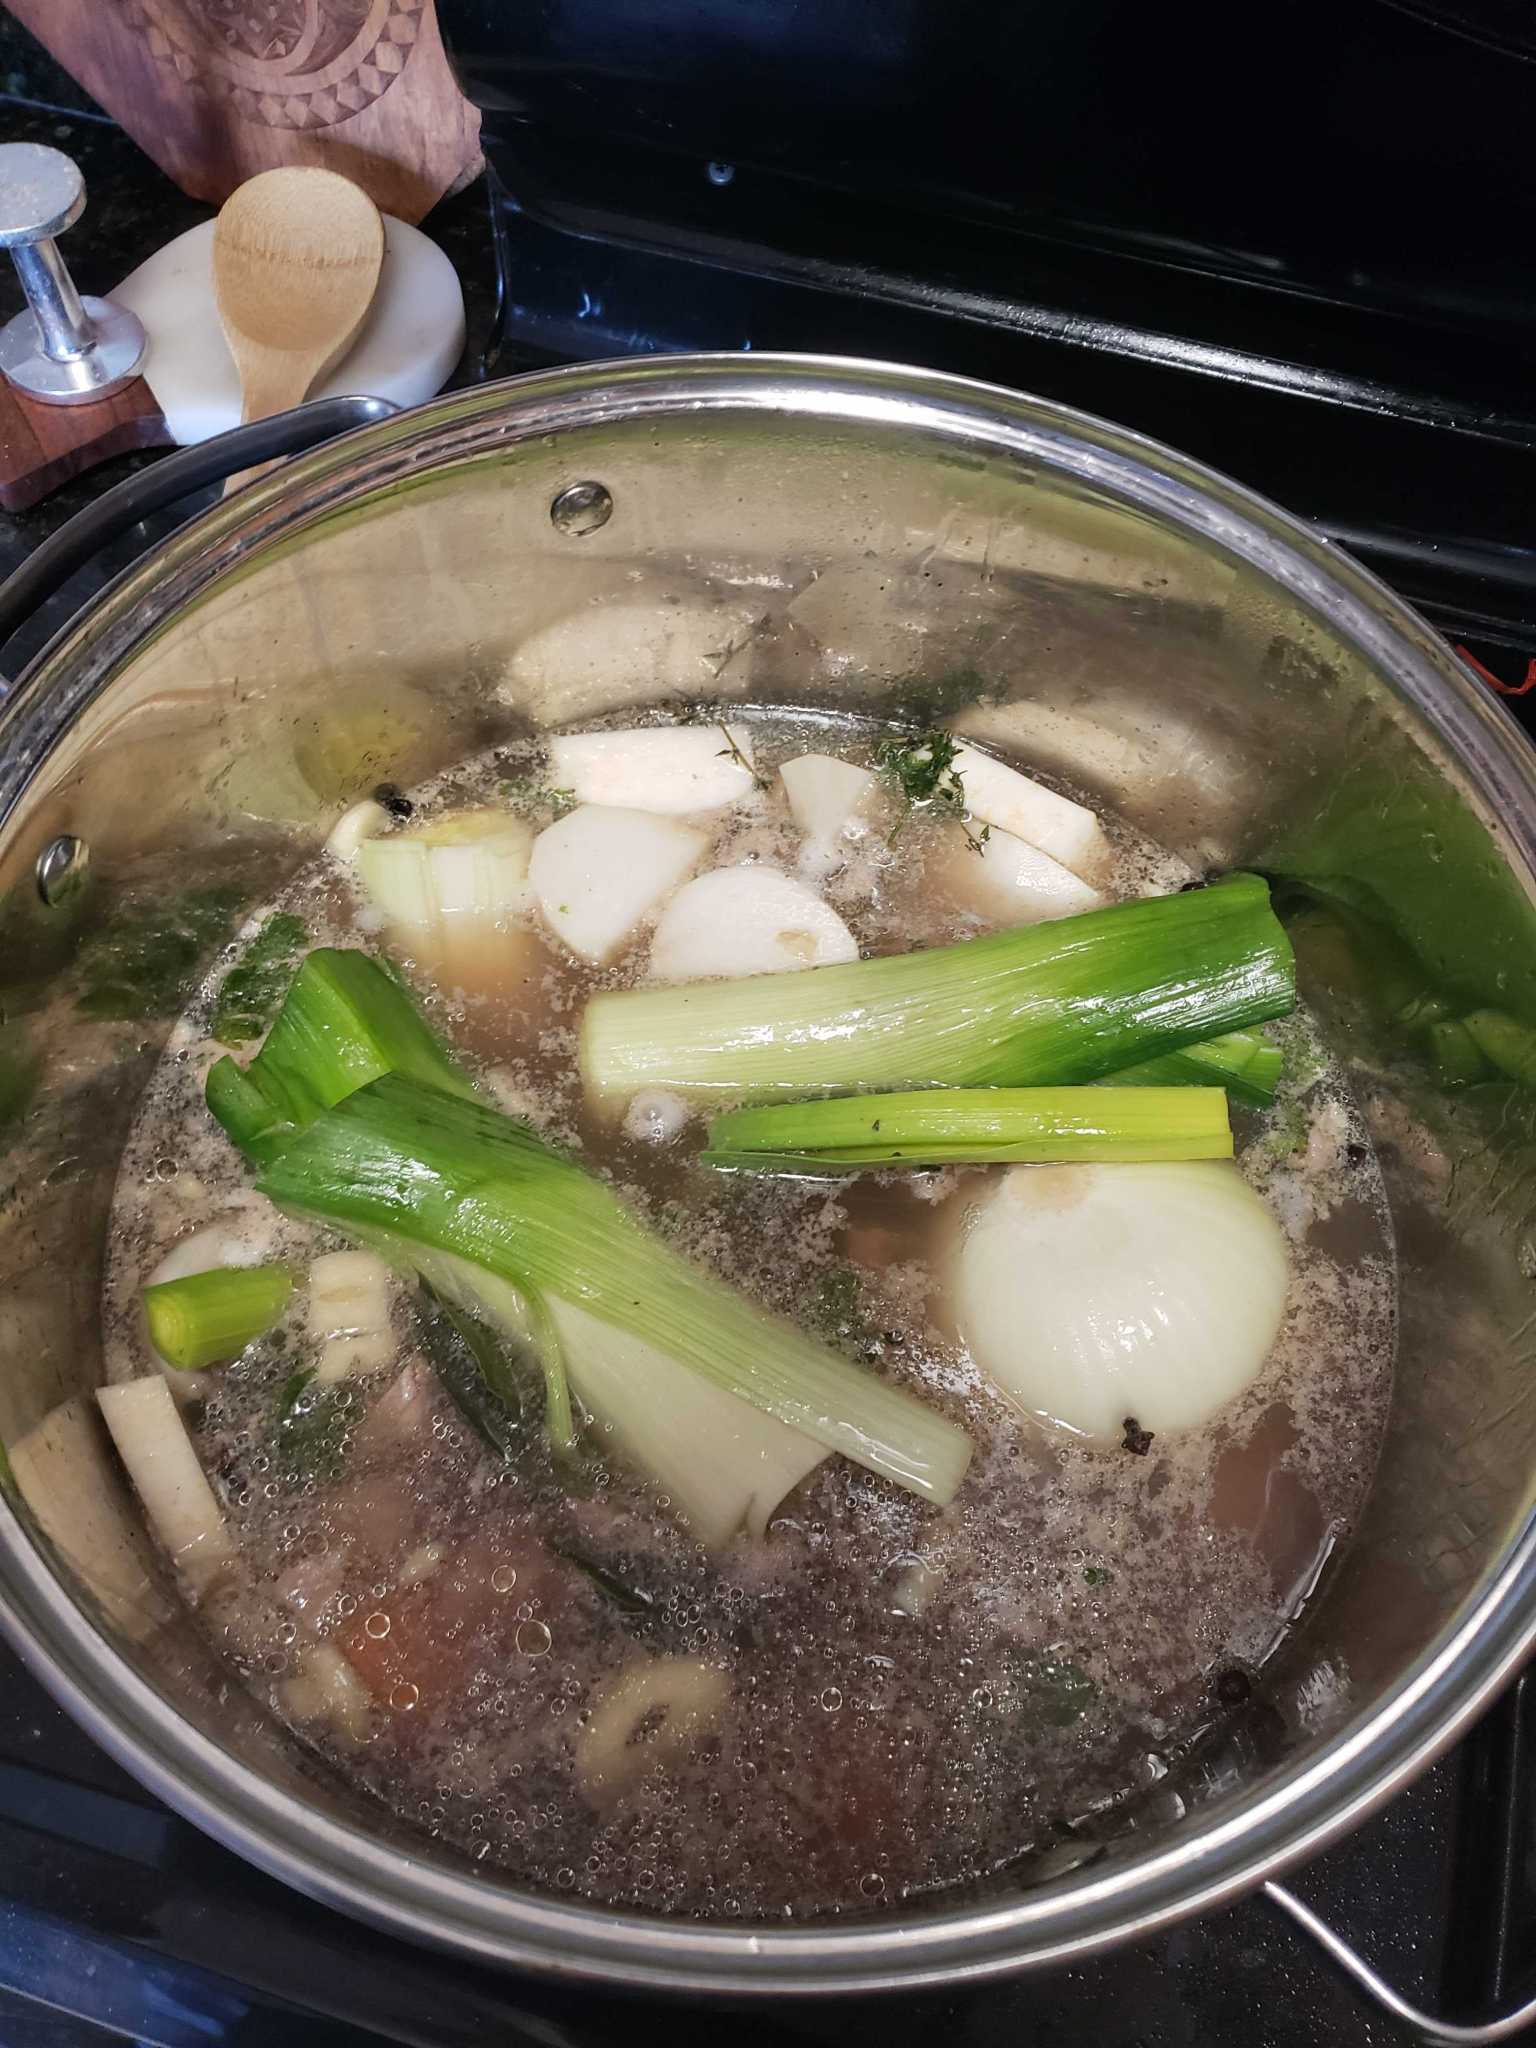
(273, 381)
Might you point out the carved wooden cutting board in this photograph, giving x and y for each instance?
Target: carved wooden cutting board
(216, 90)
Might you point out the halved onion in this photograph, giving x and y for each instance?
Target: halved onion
(1089, 1294)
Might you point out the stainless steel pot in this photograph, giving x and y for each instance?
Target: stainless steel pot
(789, 528)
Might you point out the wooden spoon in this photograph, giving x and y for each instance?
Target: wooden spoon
(296, 258)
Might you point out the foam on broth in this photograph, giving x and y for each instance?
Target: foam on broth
(915, 1697)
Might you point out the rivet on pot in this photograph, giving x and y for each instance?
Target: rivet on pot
(61, 868)
(581, 508)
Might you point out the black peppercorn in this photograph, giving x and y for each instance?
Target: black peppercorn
(398, 806)
(1233, 1687)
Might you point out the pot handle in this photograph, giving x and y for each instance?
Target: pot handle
(162, 483)
(1441, 2033)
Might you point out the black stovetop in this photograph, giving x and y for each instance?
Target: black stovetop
(117, 1920)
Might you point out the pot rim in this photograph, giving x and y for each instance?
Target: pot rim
(1248, 1838)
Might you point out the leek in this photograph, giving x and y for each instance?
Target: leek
(345, 1021)
(1506, 1042)
(256, 984)
(517, 1320)
(1071, 1000)
(471, 1362)
(1456, 1054)
(449, 1176)
(1245, 1063)
(470, 869)
(975, 1126)
(209, 1318)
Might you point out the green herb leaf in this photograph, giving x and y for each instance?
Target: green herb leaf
(1056, 1691)
(256, 984)
(836, 1313)
(628, 1598)
(308, 1438)
(144, 959)
(526, 793)
(922, 766)
(1096, 1575)
(469, 1359)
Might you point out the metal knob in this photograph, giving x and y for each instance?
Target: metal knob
(64, 349)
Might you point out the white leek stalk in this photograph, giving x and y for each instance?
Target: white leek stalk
(724, 1465)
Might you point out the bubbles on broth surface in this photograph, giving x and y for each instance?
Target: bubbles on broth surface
(910, 1698)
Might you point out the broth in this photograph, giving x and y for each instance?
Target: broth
(914, 1697)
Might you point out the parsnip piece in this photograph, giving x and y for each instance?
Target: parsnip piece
(668, 770)
(600, 873)
(1007, 881)
(1001, 796)
(326, 1688)
(746, 920)
(66, 1475)
(153, 1443)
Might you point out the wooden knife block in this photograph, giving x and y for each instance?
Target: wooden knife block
(41, 446)
(216, 90)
